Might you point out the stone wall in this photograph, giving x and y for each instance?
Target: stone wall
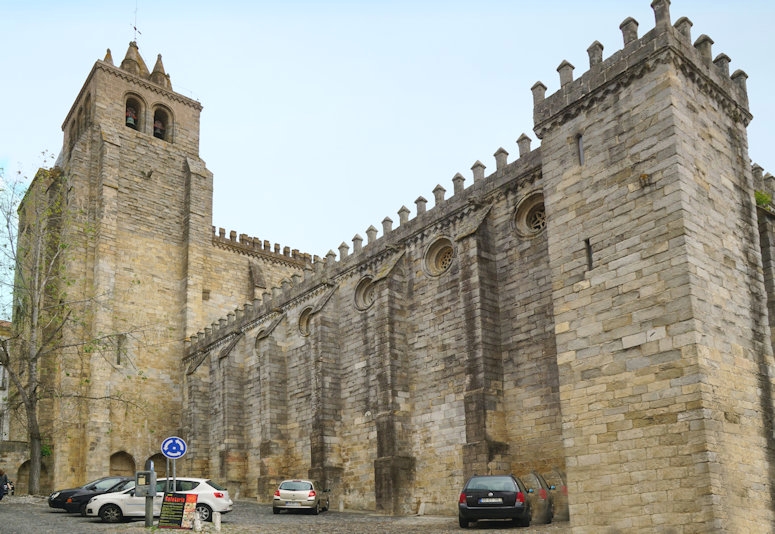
(598, 305)
(660, 307)
(403, 360)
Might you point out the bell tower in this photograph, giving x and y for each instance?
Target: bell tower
(141, 204)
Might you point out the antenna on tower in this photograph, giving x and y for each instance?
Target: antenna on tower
(134, 26)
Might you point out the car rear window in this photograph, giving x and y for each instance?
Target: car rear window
(295, 486)
(491, 483)
(216, 486)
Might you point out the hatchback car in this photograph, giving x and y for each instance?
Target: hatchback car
(494, 497)
(541, 497)
(300, 495)
(115, 507)
(74, 499)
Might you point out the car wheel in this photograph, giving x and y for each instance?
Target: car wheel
(205, 512)
(463, 522)
(83, 509)
(316, 509)
(275, 510)
(328, 505)
(522, 521)
(110, 513)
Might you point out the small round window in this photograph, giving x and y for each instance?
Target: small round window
(365, 293)
(439, 257)
(530, 218)
(304, 320)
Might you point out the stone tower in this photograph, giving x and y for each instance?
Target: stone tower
(142, 212)
(660, 306)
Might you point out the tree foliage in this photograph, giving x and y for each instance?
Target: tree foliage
(47, 352)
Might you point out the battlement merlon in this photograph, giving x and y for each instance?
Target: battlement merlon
(663, 43)
(255, 246)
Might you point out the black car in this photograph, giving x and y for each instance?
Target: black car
(75, 499)
(494, 497)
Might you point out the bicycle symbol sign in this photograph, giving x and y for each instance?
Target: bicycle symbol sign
(173, 447)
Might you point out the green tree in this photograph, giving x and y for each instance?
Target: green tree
(30, 262)
(48, 334)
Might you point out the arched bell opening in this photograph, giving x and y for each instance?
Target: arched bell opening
(133, 113)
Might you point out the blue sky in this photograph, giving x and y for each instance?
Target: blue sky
(322, 118)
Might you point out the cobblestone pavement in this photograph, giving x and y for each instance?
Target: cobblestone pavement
(32, 515)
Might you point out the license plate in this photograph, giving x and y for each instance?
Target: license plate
(490, 500)
(292, 503)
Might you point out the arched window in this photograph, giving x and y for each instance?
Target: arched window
(161, 124)
(133, 113)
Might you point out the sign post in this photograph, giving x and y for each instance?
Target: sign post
(145, 485)
(173, 448)
(175, 508)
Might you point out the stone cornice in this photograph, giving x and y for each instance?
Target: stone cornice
(147, 84)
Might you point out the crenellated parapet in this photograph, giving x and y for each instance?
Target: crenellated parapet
(322, 275)
(764, 186)
(254, 246)
(663, 44)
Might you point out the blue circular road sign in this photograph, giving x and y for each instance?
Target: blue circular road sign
(173, 447)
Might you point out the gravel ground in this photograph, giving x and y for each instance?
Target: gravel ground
(32, 515)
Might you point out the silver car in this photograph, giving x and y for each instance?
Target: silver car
(300, 495)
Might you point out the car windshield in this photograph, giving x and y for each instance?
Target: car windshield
(295, 485)
(125, 485)
(491, 484)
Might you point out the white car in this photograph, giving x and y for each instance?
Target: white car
(114, 507)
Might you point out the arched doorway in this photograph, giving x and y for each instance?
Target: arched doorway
(121, 463)
(21, 483)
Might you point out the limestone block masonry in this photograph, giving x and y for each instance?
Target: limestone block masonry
(601, 305)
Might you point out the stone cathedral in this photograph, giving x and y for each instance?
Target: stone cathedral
(601, 304)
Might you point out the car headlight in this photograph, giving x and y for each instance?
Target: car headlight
(54, 495)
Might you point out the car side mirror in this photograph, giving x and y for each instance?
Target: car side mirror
(530, 490)
(132, 493)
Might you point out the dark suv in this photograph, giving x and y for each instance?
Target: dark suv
(494, 497)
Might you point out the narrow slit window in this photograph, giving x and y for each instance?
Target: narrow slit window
(120, 349)
(588, 247)
(580, 148)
